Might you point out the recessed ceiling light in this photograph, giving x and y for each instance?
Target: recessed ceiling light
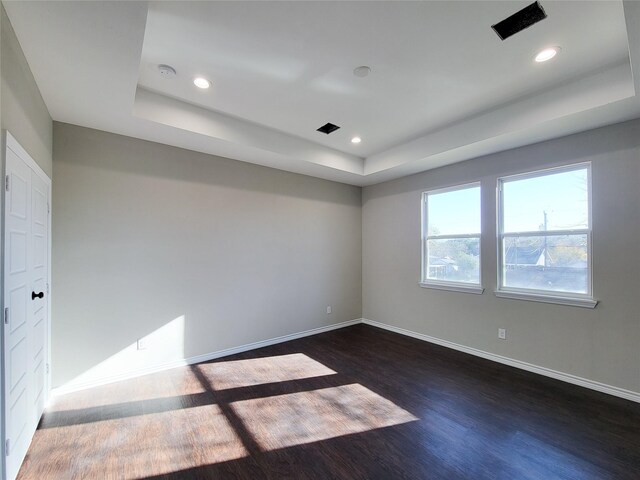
(356, 140)
(201, 82)
(547, 54)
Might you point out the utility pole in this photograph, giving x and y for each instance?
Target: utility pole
(546, 255)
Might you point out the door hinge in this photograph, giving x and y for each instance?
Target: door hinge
(7, 447)
(6, 183)
(47, 369)
(47, 289)
(48, 208)
(6, 315)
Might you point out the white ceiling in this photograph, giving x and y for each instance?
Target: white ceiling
(443, 87)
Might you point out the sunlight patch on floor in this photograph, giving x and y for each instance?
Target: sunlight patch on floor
(139, 446)
(166, 384)
(298, 418)
(259, 371)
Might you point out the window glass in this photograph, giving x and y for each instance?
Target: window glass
(454, 260)
(549, 202)
(451, 246)
(558, 263)
(454, 212)
(545, 232)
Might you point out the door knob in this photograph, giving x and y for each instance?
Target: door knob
(35, 295)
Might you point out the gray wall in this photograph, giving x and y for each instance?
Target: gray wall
(23, 111)
(601, 344)
(144, 233)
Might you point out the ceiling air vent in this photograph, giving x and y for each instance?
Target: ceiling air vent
(519, 21)
(328, 128)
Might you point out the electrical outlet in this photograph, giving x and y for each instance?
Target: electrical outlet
(502, 333)
(328, 309)
(142, 344)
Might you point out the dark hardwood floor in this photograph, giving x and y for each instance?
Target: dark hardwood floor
(353, 403)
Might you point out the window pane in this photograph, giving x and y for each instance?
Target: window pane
(554, 263)
(556, 201)
(455, 212)
(454, 260)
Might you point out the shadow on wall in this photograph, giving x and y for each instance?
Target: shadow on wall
(144, 233)
(150, 159)
(579, 147)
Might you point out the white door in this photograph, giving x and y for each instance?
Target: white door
(26, 315)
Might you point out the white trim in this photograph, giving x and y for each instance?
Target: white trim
(200, 358)
(425, 237)
(452, 188)
(527, 173)
(558, 300)
(547, 372)
(9, 142)
(13, 144)
(458, 287)
(500, 271)
(548, 233)
(454, 236)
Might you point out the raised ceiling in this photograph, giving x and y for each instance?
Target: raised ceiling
(443, 86)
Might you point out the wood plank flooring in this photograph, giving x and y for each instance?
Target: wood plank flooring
(356, 403)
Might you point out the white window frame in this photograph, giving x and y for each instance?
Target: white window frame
(425, 282)
(547, 296)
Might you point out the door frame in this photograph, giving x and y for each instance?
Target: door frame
(10, 142)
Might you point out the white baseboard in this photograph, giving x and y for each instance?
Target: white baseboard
(69, 388)
(547, 372)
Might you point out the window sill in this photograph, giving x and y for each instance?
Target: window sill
(475, 289)
(558, 300)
